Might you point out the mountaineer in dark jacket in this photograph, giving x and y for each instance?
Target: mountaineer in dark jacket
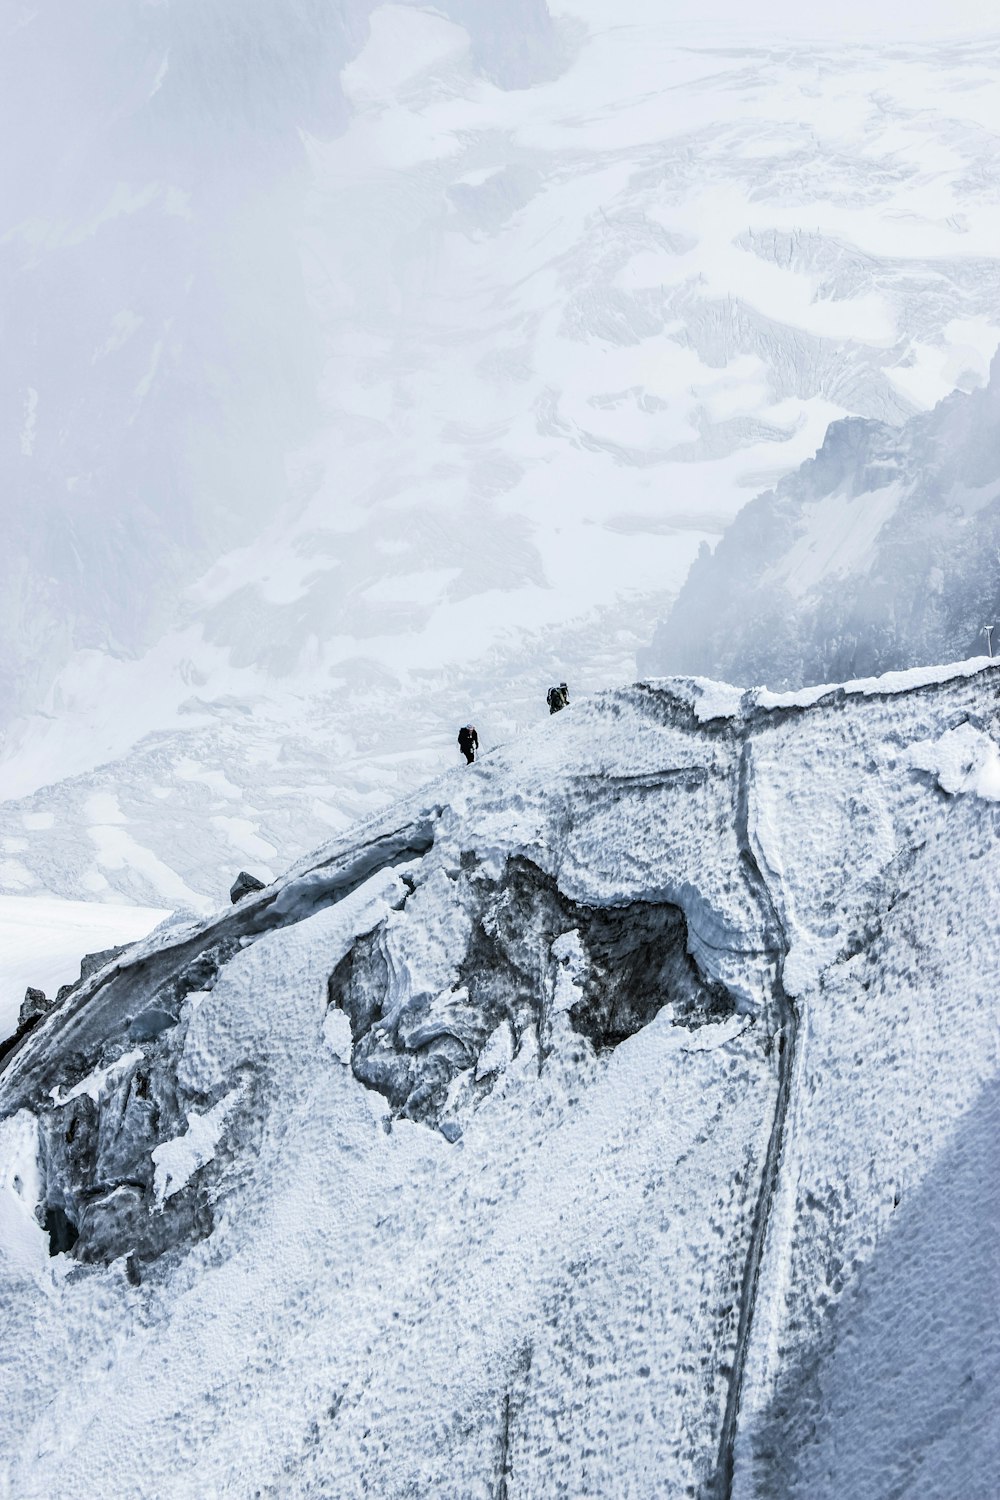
(468, 742)
(557, 698)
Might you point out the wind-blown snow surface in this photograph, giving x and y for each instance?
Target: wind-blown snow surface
(882, 552)
(617, 1117)
(373, 367)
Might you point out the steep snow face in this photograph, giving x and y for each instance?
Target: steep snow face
(615, 1117)
(882, 552)
(374, 366)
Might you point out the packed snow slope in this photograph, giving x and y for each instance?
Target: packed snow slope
(615, 1117)
(880, 553)
(367, 368)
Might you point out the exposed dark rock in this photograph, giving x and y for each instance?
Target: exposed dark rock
(96, 1157)
(34, 1005)
(62, 1232)
(98, 1171)
(638, 961)
(635, 961)
(244, 885)
(28, 1018)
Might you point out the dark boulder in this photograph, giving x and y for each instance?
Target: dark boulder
(34, 1004)
(244, 885)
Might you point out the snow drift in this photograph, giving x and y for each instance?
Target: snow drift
(612, 1118)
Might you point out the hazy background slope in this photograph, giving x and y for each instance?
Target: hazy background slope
(161, 356)
(882, 552)
(369, 368)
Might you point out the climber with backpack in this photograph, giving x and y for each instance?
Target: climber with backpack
(557, 698)
(468, 742)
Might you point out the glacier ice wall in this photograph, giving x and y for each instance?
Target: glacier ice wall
(613, 1117)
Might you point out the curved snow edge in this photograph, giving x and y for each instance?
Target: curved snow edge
(721, 700)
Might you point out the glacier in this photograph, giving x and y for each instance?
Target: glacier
(367, 367)
(615, 1116)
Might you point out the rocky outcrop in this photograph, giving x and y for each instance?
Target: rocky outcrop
(33, 1006)
(244, 885)
(90, 964)
(523, 941)
(36, 1003)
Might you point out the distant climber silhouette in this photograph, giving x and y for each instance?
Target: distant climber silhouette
(557, 698)
(468, 742)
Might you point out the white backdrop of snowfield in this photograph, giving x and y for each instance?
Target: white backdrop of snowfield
(614, 1118)
(367, 368)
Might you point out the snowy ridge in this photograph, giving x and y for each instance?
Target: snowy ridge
(719, 700)
(554, 1133)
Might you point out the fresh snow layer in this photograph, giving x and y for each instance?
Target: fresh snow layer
(176, 1161)
(735, 1235)
(963, 760)
(888, 682)
(42, 940)
(95, 1083)
(720, 700)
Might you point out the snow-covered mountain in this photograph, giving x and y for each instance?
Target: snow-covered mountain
(369, 368)
(880, 553)
(616, 1117)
